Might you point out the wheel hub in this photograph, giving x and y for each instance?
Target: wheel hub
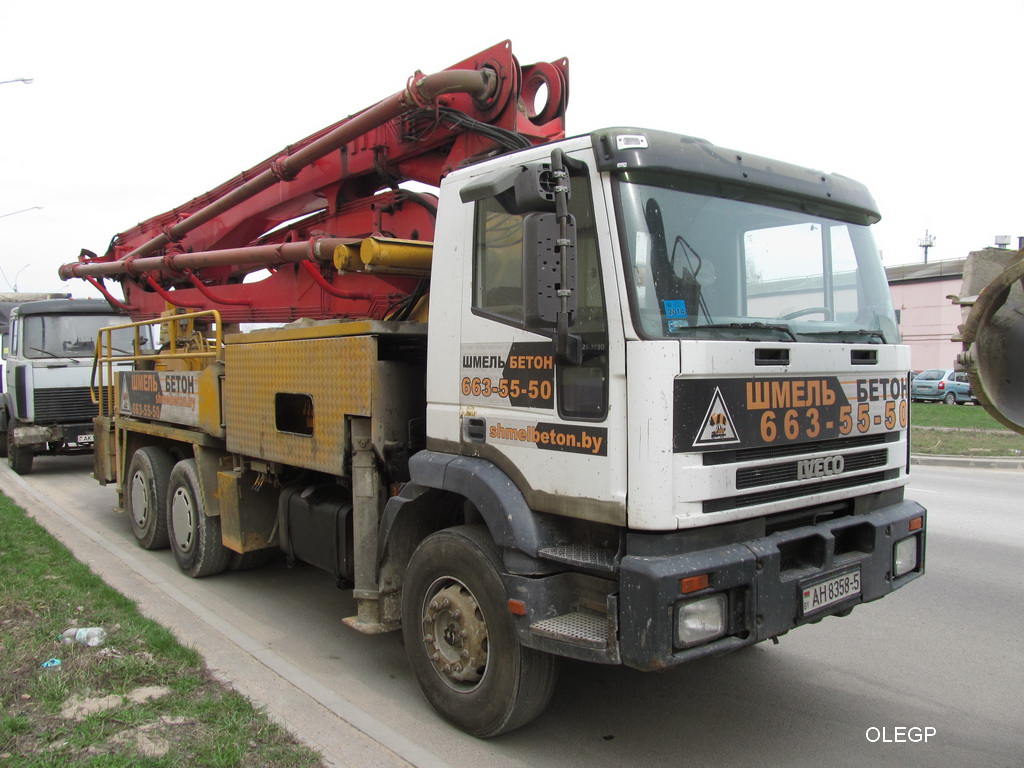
(140, 500)
(455, 635)
(182, 519)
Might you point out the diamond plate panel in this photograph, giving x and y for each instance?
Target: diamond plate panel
(336, 374)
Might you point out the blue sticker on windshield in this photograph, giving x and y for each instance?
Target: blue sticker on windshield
(675, 309)
(675, 314)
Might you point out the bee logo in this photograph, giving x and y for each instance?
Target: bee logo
(718, 427)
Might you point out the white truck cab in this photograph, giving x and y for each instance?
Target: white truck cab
(47, 405)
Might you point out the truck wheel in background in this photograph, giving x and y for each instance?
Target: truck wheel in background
(19, 457)
(145, 498)
(460, 638)
(194, 537)
(3, 432)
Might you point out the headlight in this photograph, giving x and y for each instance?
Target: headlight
(904, 556)
(699, 621)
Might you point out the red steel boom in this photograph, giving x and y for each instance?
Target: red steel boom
(301, 218)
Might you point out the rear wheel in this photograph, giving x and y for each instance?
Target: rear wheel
(195, 537)
(461, 641)
(19, 457)
(146, 496)
(950, 399)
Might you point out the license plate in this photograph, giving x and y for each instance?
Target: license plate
(83, 439)
(831, 591)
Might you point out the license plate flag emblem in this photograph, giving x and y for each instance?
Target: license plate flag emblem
(831, 591)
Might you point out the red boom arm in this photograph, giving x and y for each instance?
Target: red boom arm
(297, 214)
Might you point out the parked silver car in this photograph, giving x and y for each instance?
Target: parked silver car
(942, 385)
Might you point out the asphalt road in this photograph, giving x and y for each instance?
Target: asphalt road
(941, 659)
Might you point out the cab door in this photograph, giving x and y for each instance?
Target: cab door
(548, 424)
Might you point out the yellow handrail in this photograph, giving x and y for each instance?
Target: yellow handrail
(179, 333)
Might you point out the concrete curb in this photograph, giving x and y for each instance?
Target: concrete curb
(983, 462)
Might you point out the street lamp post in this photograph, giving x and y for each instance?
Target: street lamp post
(14, 285)
(12, 213)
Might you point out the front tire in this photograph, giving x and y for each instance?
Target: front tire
(145, 498)
(194, 536)
(19, 457)
(460, 638)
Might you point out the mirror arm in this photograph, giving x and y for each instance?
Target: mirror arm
(568, 348)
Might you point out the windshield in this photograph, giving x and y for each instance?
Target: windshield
(714, 267)
(48, 336)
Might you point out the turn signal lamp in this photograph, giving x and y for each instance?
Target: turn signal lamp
(694, 583)
(517, 607)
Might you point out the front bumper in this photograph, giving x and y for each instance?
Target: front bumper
(764, 582)
(80, 435)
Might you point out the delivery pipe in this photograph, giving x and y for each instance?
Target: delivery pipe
(421, 90)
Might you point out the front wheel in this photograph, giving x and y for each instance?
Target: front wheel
(19, 457)
(461, 641)
(195, 537)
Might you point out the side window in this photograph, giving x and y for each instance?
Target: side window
(498, 262)
(582, 391)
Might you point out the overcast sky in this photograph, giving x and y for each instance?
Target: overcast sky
(137, 107)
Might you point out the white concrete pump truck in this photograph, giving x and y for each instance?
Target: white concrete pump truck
(659, 410)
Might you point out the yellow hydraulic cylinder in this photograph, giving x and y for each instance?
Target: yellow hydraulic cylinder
(385, 255)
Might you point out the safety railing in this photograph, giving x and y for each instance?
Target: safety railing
(194, 337)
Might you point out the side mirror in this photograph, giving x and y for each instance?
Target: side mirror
(543, 270)
(520, 190)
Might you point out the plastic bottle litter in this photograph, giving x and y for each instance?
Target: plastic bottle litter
(90, 636)
(53, 665)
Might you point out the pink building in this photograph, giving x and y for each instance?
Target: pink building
(927, 319)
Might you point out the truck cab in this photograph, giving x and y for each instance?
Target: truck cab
(48, 356)
(727, 441)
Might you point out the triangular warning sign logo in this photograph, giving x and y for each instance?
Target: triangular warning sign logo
(126, 401)
(718, 428)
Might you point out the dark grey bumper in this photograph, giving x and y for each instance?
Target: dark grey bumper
(763, 581)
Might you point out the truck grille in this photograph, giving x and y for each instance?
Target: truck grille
(54, 406)
(754, 477)
(785, 469)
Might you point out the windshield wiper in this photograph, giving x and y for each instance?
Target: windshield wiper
(54, 354)
(862, 332)
(755, 326)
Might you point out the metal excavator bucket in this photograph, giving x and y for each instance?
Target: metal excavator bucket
(992, 302)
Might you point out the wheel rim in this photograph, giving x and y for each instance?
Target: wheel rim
(182, 519)
(455, 634)
(140, 500)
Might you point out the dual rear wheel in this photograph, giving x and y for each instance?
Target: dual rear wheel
(164, 505)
